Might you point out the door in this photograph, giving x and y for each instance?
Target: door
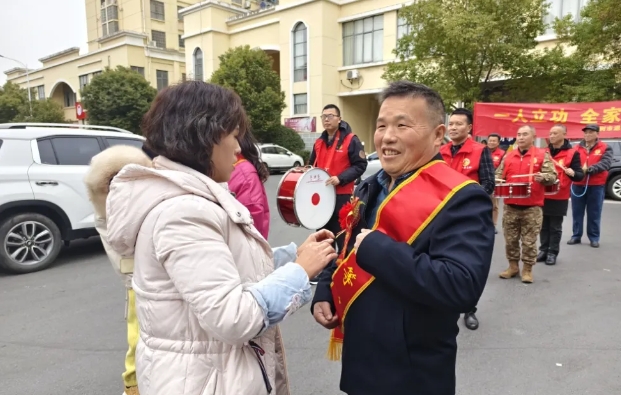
(284, 157)
(57, 176)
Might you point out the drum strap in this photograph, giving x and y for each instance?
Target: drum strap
(331, 151)
(532, 163)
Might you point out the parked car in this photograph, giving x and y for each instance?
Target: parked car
(43, 199)
(278, 159)
(613, 183)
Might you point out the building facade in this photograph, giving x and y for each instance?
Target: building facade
(145, 35)
(326, 51)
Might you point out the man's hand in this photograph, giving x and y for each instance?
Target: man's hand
(323, 315)
(334, 180)
(570, 172)
(539, 177)
(360, 237)
(321, 235)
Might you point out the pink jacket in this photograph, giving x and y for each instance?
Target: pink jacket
(250, 192)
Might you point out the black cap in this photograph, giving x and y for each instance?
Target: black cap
(591, 126)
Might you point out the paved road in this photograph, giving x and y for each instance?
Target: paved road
(61, 330)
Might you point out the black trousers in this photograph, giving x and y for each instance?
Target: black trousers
(550, 236)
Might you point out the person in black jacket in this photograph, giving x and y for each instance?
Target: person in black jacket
(400, 330)
(569, 169)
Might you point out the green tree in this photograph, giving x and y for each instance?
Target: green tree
(249, 73)
(118, 98)
(12, 101)
(458, 46)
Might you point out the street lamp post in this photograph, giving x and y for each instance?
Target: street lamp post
(27, 81)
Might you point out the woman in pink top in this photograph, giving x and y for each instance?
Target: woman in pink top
(247, 183)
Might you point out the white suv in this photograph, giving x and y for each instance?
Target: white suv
(43, 199)
(277, 158)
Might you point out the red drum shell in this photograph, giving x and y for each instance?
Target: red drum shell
(552, 189)
(512, 190)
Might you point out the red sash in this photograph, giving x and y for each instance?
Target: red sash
(417, 199)
(240, 159)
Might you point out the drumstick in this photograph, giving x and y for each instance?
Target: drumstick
(559, 165)
(525, 175)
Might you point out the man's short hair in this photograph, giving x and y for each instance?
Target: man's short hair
(530, 127)
(463, 111)
(560, 125)
(437, 112)
(494, 135)
(332, 106)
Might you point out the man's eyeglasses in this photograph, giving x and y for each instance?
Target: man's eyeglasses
(328, 117)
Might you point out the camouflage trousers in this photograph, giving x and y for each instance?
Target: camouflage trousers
(522, 225)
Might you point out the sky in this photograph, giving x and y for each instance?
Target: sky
(33, 29)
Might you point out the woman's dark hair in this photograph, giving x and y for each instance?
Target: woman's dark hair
(250, 152)
(186, 120)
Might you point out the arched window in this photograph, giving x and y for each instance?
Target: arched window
(198, 64)
(300, 57)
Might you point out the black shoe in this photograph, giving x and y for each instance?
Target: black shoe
(471, 321)
(495, 231)
(541, 257)
(573, 241)
(551, 260)
(595, 244)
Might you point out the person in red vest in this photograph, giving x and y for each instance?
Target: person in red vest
(588, 195)
(569, 169)
(341, 154)
(493, 143)
(473, 160)
(522, 217)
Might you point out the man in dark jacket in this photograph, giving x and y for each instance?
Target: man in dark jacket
(341, 154)
(419, 253)
(567, 162)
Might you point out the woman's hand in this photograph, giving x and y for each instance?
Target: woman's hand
(322, 235)
(315, 256)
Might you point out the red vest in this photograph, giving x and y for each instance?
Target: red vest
(516, 164)
(589, 159)
(335, 160)
(563, 158)
(466, 160)
(497, 155)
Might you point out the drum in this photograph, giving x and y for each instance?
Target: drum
(512, 190)
(552, 189)
(304, 199)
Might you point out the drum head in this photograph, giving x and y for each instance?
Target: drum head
(314, 200)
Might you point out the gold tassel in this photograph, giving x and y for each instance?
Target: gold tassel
(335, 349)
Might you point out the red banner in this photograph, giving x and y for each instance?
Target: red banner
(305, 124)
(506, 118)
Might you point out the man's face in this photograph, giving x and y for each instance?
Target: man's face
(458, 128)
(590, 136)
(525, 138)
(557, 135)
(330, 119)
(493, 142)
(405, 136)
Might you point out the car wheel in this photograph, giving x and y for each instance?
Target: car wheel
(297, 164)
(29, 242)
(614, 187)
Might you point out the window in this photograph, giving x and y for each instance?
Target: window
(41, 92)
(162, 79)
(157, 10)
(68, 151)
(183, 77)
(198, 64)
(616, 147)
(133, 142)
(95, 74)
(363, 41)
(139, 70)
(109, 18)
(83, 81)
(300, 104)
(69, 96)
(561, 8)
(181, 42)
(281, 151)
(179, 17)
(300, 57)
(403, 28)
(269, 150)
(159, 38)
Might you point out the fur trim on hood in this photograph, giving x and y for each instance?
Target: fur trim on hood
(104, 167)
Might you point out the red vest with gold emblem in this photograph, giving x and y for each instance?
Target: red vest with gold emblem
(588, 159)
(497, 155)
(516, 164)
(335, 160)
(403, 215)
(562, 158)
(466, 160)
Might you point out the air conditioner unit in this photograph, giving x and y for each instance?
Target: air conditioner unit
(153, 43)
(353, 75)
(247, 4)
